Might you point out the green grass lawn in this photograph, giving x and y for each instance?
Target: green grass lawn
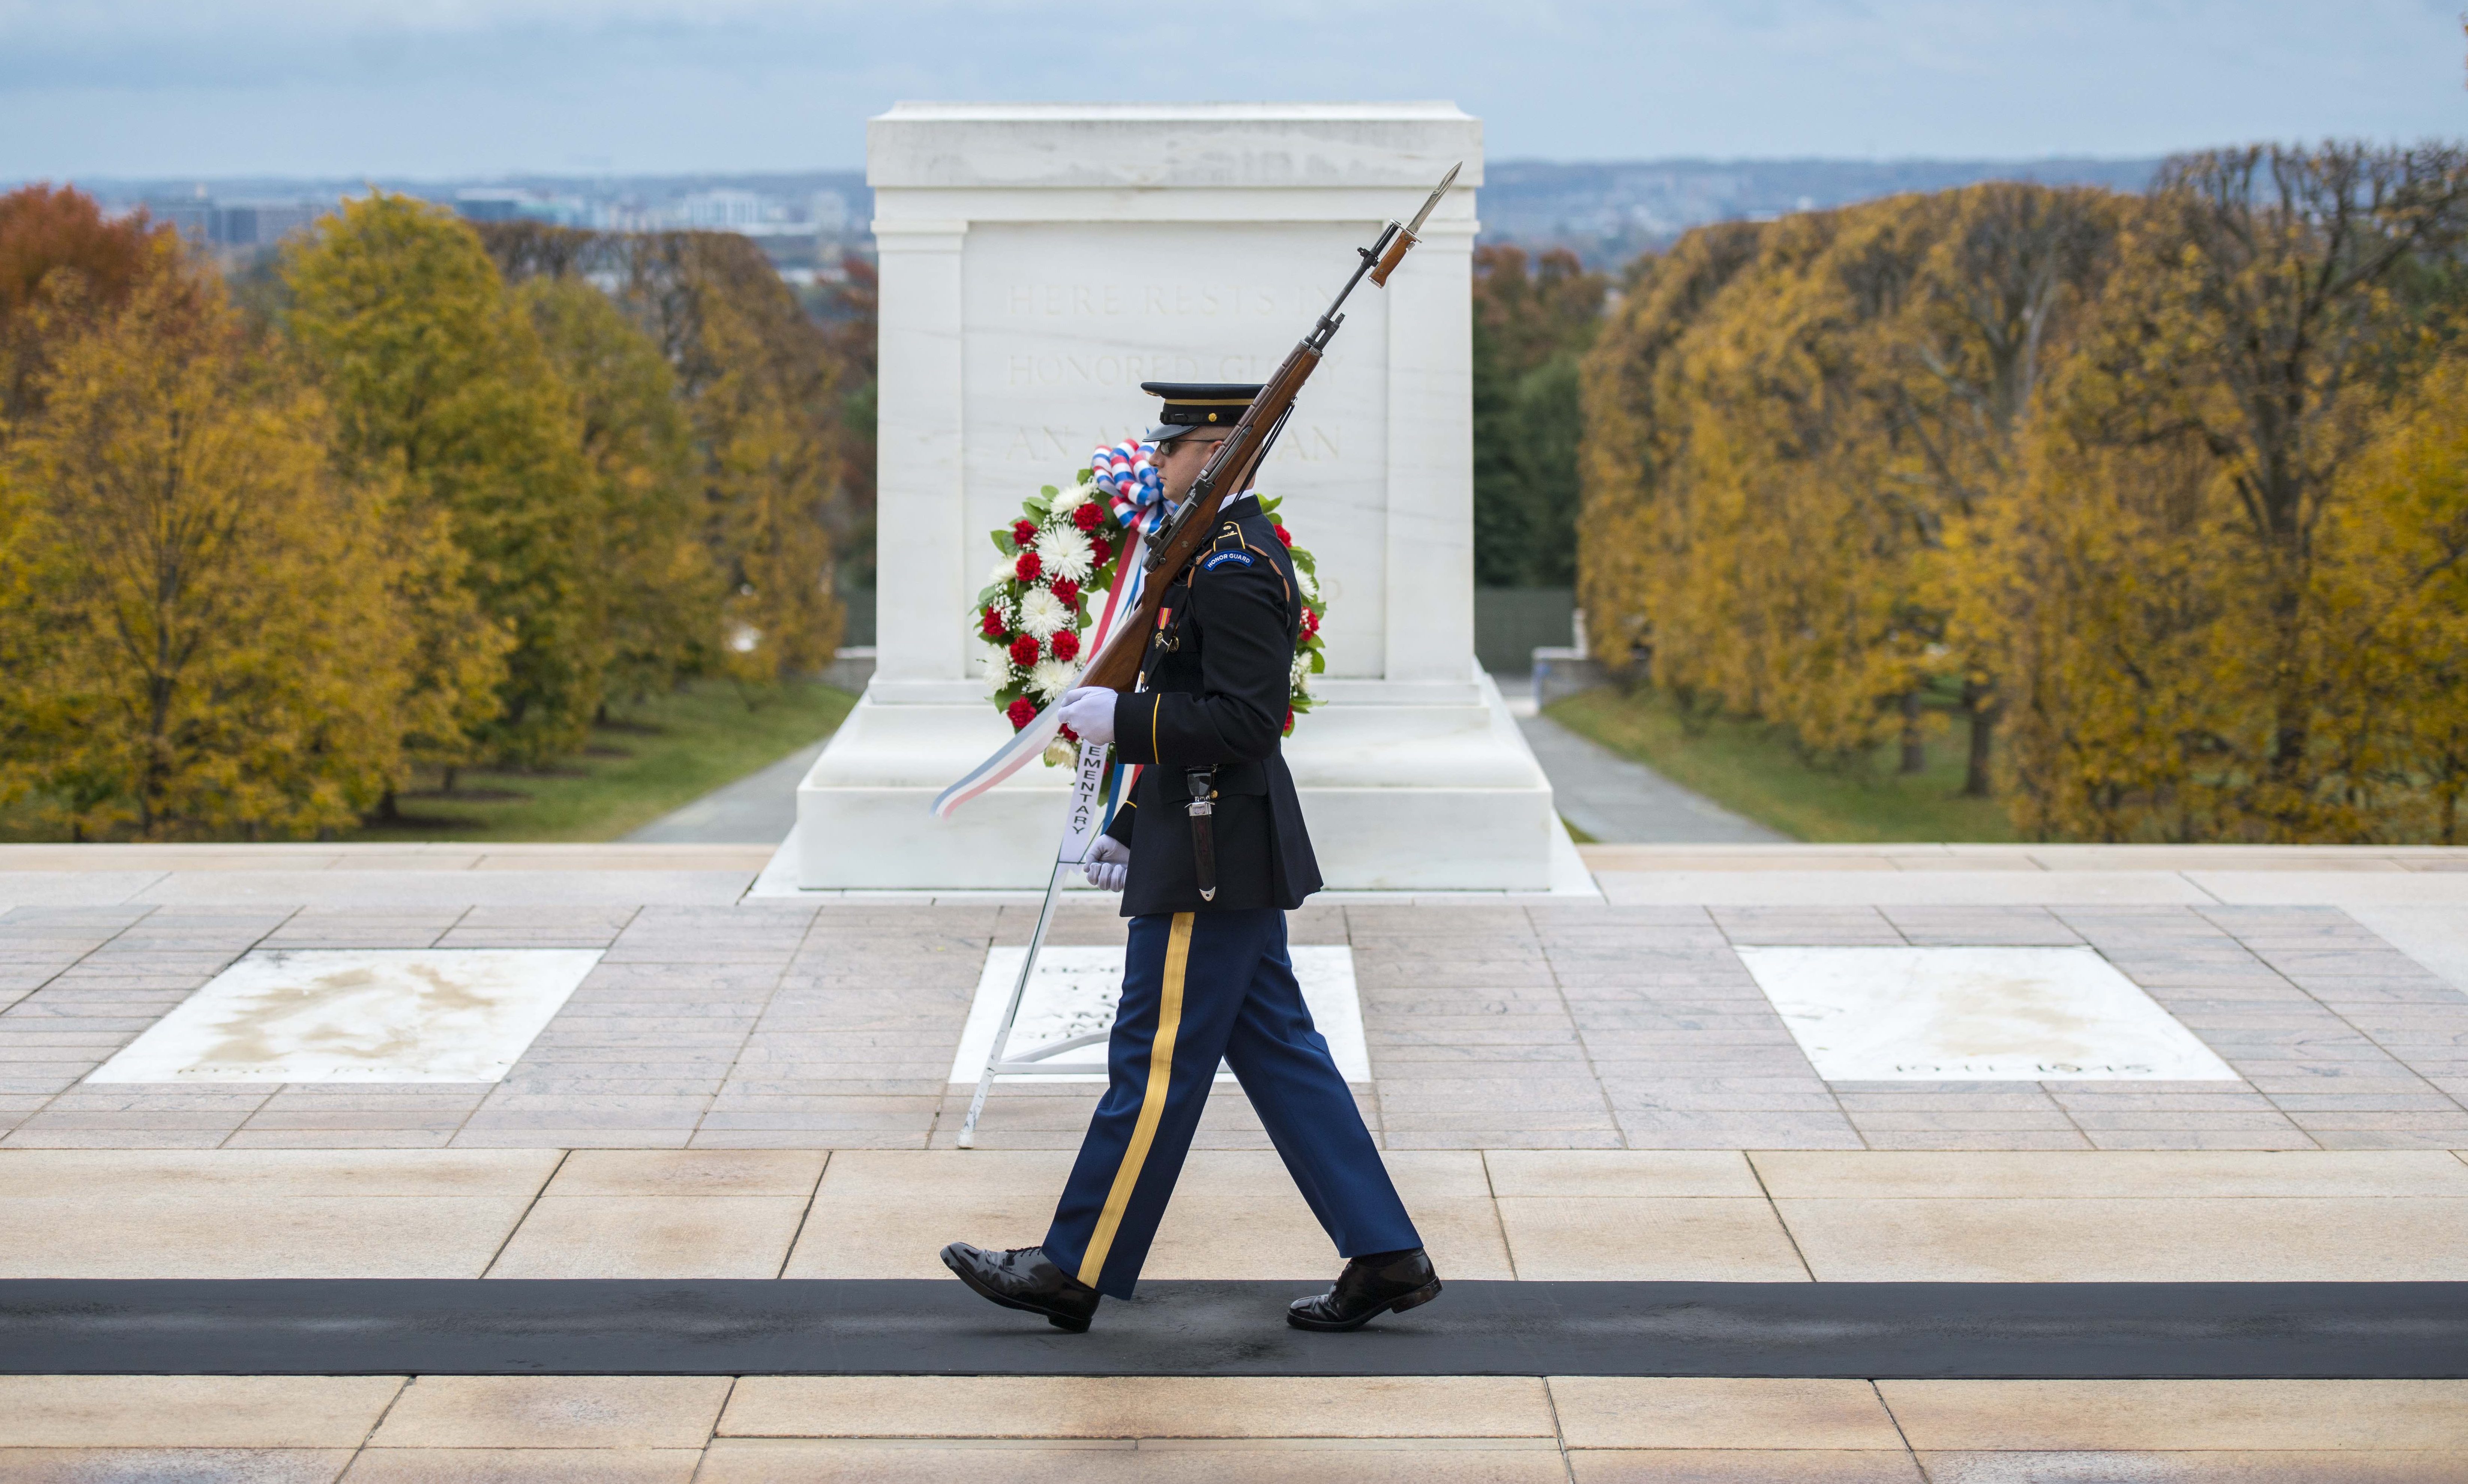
(648, 760)
(1746, 767)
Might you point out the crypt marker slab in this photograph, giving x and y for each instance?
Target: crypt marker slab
(1976, 1014)
(358, 1015)
(1075, 988)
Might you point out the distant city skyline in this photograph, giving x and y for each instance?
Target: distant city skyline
(222, 88)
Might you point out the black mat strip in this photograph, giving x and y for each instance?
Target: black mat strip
(850, 1327)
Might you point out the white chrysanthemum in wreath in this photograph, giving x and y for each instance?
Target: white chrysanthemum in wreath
(1051, 678)
(1042, 615)
(1002, 571)
(1065, 551)
(994, 662)
(1300, 673)
(1309, 585)
(1069, 501)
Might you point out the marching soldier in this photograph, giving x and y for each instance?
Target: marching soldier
(1209, 853)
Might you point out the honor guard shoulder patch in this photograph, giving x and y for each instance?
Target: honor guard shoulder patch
(1225, 558)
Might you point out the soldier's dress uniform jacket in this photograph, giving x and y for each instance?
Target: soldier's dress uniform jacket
(1210, 978)
(1215, 677)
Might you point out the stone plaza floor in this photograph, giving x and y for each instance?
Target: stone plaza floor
(756, 1087)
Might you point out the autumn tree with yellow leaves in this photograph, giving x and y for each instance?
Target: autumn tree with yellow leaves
(221, 649)
(2152, 488)
(440, 383)
(760, 386)
(2214, 579)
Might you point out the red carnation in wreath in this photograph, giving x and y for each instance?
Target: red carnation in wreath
(1015, 659)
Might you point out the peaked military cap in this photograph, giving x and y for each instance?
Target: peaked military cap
(1191, 404)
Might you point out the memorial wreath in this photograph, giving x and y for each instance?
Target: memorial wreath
(1070, 546)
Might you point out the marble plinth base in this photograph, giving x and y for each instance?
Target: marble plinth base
(1406, 787)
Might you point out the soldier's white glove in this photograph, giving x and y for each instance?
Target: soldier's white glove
(1089, 709)
(1110, 861)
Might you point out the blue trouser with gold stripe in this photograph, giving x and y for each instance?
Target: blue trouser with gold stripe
(1197, 986)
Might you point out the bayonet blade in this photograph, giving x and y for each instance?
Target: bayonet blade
(1414, 228)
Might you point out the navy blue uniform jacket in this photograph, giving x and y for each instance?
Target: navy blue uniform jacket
(1216, 674)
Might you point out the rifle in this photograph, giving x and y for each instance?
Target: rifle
(1116, 663)
(1242, 451)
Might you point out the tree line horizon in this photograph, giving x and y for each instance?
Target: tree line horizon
(2160, 499)
(405, 497)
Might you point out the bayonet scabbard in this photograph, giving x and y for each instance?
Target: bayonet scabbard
(1203, 784)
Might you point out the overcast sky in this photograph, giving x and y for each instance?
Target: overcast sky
(461, 87)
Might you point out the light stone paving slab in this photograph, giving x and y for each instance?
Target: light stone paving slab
(1611, 1238)
(1158, 1406)
(76, 1236)
(1812, 1174)
(1713, 1412)
(2181, 1415)
(38, 888)
(160, 1465)
(2148, 1239)
(191, 1411)
(786, 1171)
(1954, 887)
(554, 1411)
(2299, 887)
(524, 1465)
(1751, 1466)
(233, 1174)
(1643, 1172)
(1145, 1461)
(2179, 1466)
(398, 889)
(702, 1236)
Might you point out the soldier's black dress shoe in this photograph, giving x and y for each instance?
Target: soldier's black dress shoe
(1026, 1278)
(1372, 1284)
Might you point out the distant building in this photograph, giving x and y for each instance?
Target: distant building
(508, 203)
(209, 222)
(491, 203)
(261, 224)
(728, 210)
(192, 216)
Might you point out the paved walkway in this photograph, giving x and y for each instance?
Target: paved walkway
(1612, 798)
(752, 1088)
(713, 1021)
(759, 808)
(652, 1430)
